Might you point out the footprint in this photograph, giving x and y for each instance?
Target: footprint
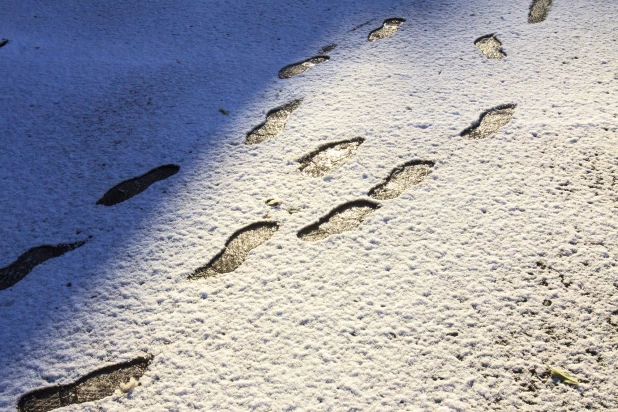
(94, 386)
(16, 271)
(274, 124)
(329, 157)
(490, 46)
(389, 28)
(538, 10)
(401, 179)
(237, 249)
(345, 217)
(301, 67)
(129, 188)
(3, 42)
(327, 48)
(490, 122)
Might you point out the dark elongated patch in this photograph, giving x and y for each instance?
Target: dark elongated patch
(94, 386)
(490, 47)
(329, 157)
(129, 188)
(342, 219)
(490, 122)
(3, 42)
(401, 179)
(328, 48)
(274, 124)
(389, 28)
(361, 25)
(237, 249)
(301, 67)
(538, 10)
(24, 264)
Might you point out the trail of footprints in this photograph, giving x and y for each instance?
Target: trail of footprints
(25, 263)
(326, 158)
(350, 215)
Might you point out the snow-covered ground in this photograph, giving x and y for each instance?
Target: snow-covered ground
(451, 297)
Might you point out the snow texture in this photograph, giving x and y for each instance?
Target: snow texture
(453, 296)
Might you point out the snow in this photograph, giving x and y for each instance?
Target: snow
(99, 92)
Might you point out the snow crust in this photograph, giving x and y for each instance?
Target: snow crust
(435, 302)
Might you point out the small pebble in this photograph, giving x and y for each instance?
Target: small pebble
(126, 387)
